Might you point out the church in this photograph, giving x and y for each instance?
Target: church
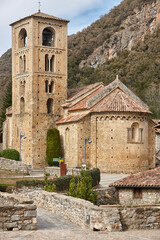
(107, 127)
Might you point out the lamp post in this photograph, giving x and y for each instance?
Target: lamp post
(20, 137)
(85, 141)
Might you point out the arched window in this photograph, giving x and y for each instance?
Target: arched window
(46, 86)
(52, 64)
(22, 105)
(46, 63)
(135, 133)
(51, 87)
(67, 135)
(20, 64)
(50, 105)
(24, 63)
(22, 38)
(48, 37)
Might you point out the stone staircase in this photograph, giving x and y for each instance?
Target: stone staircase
(37, 172)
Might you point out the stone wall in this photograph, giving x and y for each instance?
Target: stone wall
(106, 218)
(78, 211)
(149, 196)
(56, 171)
(1, 147)
(17, 215)
(12, 165)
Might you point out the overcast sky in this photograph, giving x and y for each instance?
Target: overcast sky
(81, 14)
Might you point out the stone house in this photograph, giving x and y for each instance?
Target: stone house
(139, 188)
(112, 117)
(118, 124)
(157, 145)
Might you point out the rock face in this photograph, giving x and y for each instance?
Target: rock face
(133, 29)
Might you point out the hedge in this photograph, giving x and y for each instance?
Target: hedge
(62, 183)
(53, 146)
(10, 154)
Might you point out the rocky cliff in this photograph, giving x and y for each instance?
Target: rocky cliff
(132, 30)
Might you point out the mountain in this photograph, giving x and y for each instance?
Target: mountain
(5, 72)
(125, 42)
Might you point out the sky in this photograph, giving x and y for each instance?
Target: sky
(80, 13)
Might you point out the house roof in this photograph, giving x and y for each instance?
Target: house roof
(41, 15)
(148, 179)
(118, 100)
(72, 118)
(115, 97)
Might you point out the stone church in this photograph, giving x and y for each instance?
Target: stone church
(109, 126)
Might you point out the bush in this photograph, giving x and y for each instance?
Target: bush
(49, 186)
(5, 187)
(61, 183)
(53, 145)
(10, 154)
(83, 189)
(30, 183)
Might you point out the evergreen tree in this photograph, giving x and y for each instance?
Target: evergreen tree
(7, 102)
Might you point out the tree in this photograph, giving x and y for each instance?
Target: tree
(53, 145)
(7, 102)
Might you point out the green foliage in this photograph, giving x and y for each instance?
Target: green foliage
(30, 183)
(49, 186)
(10, 154)
(7, 102)
(53, 145)
(5, 187)
(83, 188)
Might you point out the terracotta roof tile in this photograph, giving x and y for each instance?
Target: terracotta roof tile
(118, 100)
(150, 178)
(42, 15)
(83, 103)
(72, 118)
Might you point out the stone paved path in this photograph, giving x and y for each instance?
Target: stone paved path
(51, 227)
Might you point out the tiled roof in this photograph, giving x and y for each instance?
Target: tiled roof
(84, 91)
(118, 100)
(72, 118)
(148, 179)
(42, 15)
(83, 103)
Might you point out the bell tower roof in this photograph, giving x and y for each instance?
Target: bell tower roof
(41, 15)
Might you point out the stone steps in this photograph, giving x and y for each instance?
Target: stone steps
(37, 172)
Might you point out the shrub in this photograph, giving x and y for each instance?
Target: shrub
(53, 145)
(5, 187)
(49, 186)
(30, 183)
(10, 154)
(83, 189)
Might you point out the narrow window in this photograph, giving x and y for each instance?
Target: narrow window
(46, 63)
(67, 135)
(137, 193)
(22, 105)
(24, 63)
(51, 87)
(22, 40)
(52, 64)
(50, 105)
(20, 64)
(46, 86)
(48, 37)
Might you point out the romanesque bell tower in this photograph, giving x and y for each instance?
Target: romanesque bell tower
(39, 75)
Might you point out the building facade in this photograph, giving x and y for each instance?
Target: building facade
(39, 82)
(116, 121)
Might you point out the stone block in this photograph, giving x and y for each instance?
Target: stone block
(30, 213)
(15, 218)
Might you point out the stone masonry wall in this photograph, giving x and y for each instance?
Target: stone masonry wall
(12, 165)
(106, 218)
(78, 211)
(15, 215)
(149, 196)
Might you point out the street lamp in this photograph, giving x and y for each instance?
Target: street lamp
(20, 137)
(85, 141)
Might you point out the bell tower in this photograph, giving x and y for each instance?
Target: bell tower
(39, 82)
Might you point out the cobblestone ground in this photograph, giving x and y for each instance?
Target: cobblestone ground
(51, 227)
